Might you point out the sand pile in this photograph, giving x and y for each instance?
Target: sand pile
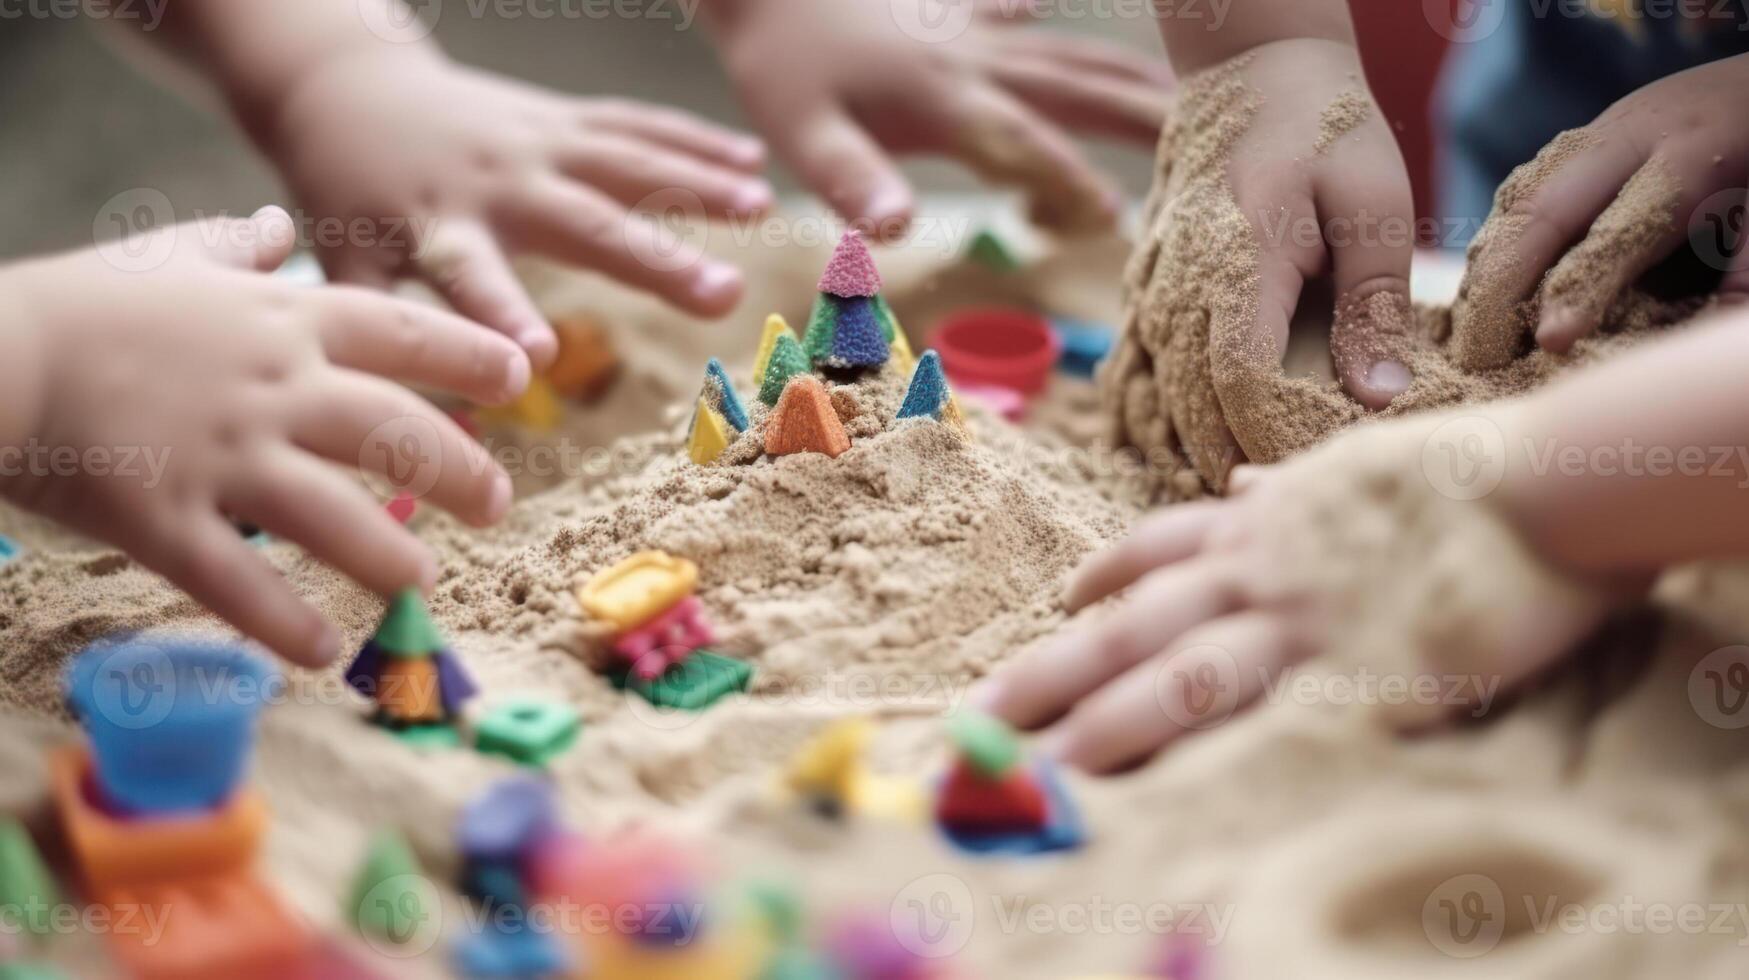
(1193, 379)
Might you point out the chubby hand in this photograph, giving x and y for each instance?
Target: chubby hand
(1602, 205)
(838, 87)
(240, 392)
(1343, 558)
(451, 169)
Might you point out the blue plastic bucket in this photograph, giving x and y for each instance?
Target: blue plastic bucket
(171, 722)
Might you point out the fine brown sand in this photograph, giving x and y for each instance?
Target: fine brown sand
(1193, 379)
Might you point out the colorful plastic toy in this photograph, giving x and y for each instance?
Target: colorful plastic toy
(829, 774)
(787, 360)
(1003, 346)
(26, 887)
(850, 326)
(385, 901)
(775, 327)
(9, 549)
(719, 394)
(708, 436)
(528, 730)
(1006, 402)
(152, 863)
(994, 801)
(637, 589)
(587, 364)
(537, 408)
(992, 251)
(406, 668)
(868, 948)
(171, 724)
(928, 396)
(805, 422)
(402, 506)
(506, 835)
(1084, 345)
(666, 640)
(693, 684)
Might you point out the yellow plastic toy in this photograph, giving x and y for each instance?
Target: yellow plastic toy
(537, 408)
(902, 356)
(735, 952)
(637, 589)
(829, 769)
(710, 434)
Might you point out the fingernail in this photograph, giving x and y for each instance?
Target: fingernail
(517, 372)
(1243, 477)
(326, 645)
(749, 150)
(1391, 377)
(1561, 321)
(498, 502)
(984, 696)
(887, 203)
(753, 197)
(716, 283)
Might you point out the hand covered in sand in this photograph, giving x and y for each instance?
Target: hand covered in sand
(205, 389)
(450, 168)
(836, 87)
(1600, 206)
(1362, 555)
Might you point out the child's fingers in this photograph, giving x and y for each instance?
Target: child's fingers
(1115, 61)
(1068, 667)
(1006, 142)
(1163, 538)
(397, 338)
(678, 130)
(1540, 210)
(578, 225)
(1083, 102)
(259, 243)
(311, 502)
(1207, 675)
(204, 556)
(1368, 217)
(465, 264)
(631, 170)
(1633, 234)
(361, 420)
(842, 163)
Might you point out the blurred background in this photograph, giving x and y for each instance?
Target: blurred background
(85, 121)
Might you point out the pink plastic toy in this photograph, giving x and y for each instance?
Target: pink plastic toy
(1006, 402)
(666, 640)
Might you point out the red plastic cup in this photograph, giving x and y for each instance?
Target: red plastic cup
(1001, 346)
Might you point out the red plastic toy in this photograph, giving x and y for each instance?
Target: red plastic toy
(1001, 346)
(666, 640)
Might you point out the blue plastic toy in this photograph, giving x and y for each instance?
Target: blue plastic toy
(720, 395)
(1085, 344)
(928, 393)
(9, 549)
(509, 817)
(511, 952)
(171, 723)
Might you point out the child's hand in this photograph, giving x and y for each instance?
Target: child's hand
(837, 87)
(205, 389)
(1599, 207)
(1343, 211)
(480, 166)
(1347, 554)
